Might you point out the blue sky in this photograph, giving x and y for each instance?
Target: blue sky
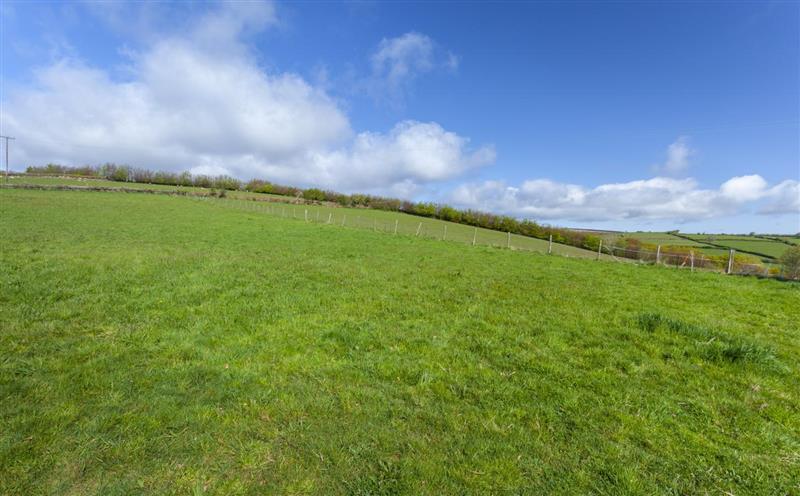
(621, 115)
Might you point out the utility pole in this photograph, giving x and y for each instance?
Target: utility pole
(7, 138)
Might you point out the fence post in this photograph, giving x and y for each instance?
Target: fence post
(730, 261)
(550, 245)
(330, 217)
(306, 215)
(691, 257)
(474, 236)
(418, 228)
(599, 249)
(508, 240)
(658, 255)
(396, 221)
(444, 237)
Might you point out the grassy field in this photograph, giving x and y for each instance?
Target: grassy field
(664, 239)
(363, 218)
(103, 183)
(385, 222)
(791, 239)
(766, 247)
(160, 345)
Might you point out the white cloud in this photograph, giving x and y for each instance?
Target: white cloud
(783, 198)
(678, 154)
(657, 198)
(744, 188)
(151, 21)
(184, 105)
(411, 152)
(399, 61)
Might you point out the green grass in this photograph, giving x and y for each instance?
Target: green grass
(384, 222)
(665, 239)
(103, 183)
(161, 345)
(791, 239)
(764, 247)
(363, 218)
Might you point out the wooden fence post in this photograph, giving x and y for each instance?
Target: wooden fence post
(418, 228)
(396, 221)
(474, 236)
(658, 255)
(444, 237)
(550, 245)
(599, 249)
(508, 240)
(730, 261)
(306, 215)
(691, 257)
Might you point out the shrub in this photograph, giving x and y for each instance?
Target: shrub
(314, 194)
(202, 181)
(424, 209)
(448, 213)
(226, 182)
(185, 179)
(790, 260)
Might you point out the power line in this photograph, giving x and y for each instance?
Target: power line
(7, 138)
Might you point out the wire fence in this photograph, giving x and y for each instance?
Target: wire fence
(391, 223)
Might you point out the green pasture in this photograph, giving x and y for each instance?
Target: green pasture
(156, 344)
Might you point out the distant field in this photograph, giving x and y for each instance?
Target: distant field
(791, 239)
(667, 240)
(155, 344)
(766, 247)
(662, 239)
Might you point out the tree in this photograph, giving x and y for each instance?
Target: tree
(791, 262)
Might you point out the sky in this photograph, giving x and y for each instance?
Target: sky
(629, 115)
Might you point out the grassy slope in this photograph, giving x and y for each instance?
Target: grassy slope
(102, 183)
(384, 222)
(158, 344)
(353, 217)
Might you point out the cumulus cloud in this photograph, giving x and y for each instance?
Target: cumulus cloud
(185, 105)
(397, 62)
(424, 151)
(678, 154)
(656, 198)
(783, 198)
(744, 188)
